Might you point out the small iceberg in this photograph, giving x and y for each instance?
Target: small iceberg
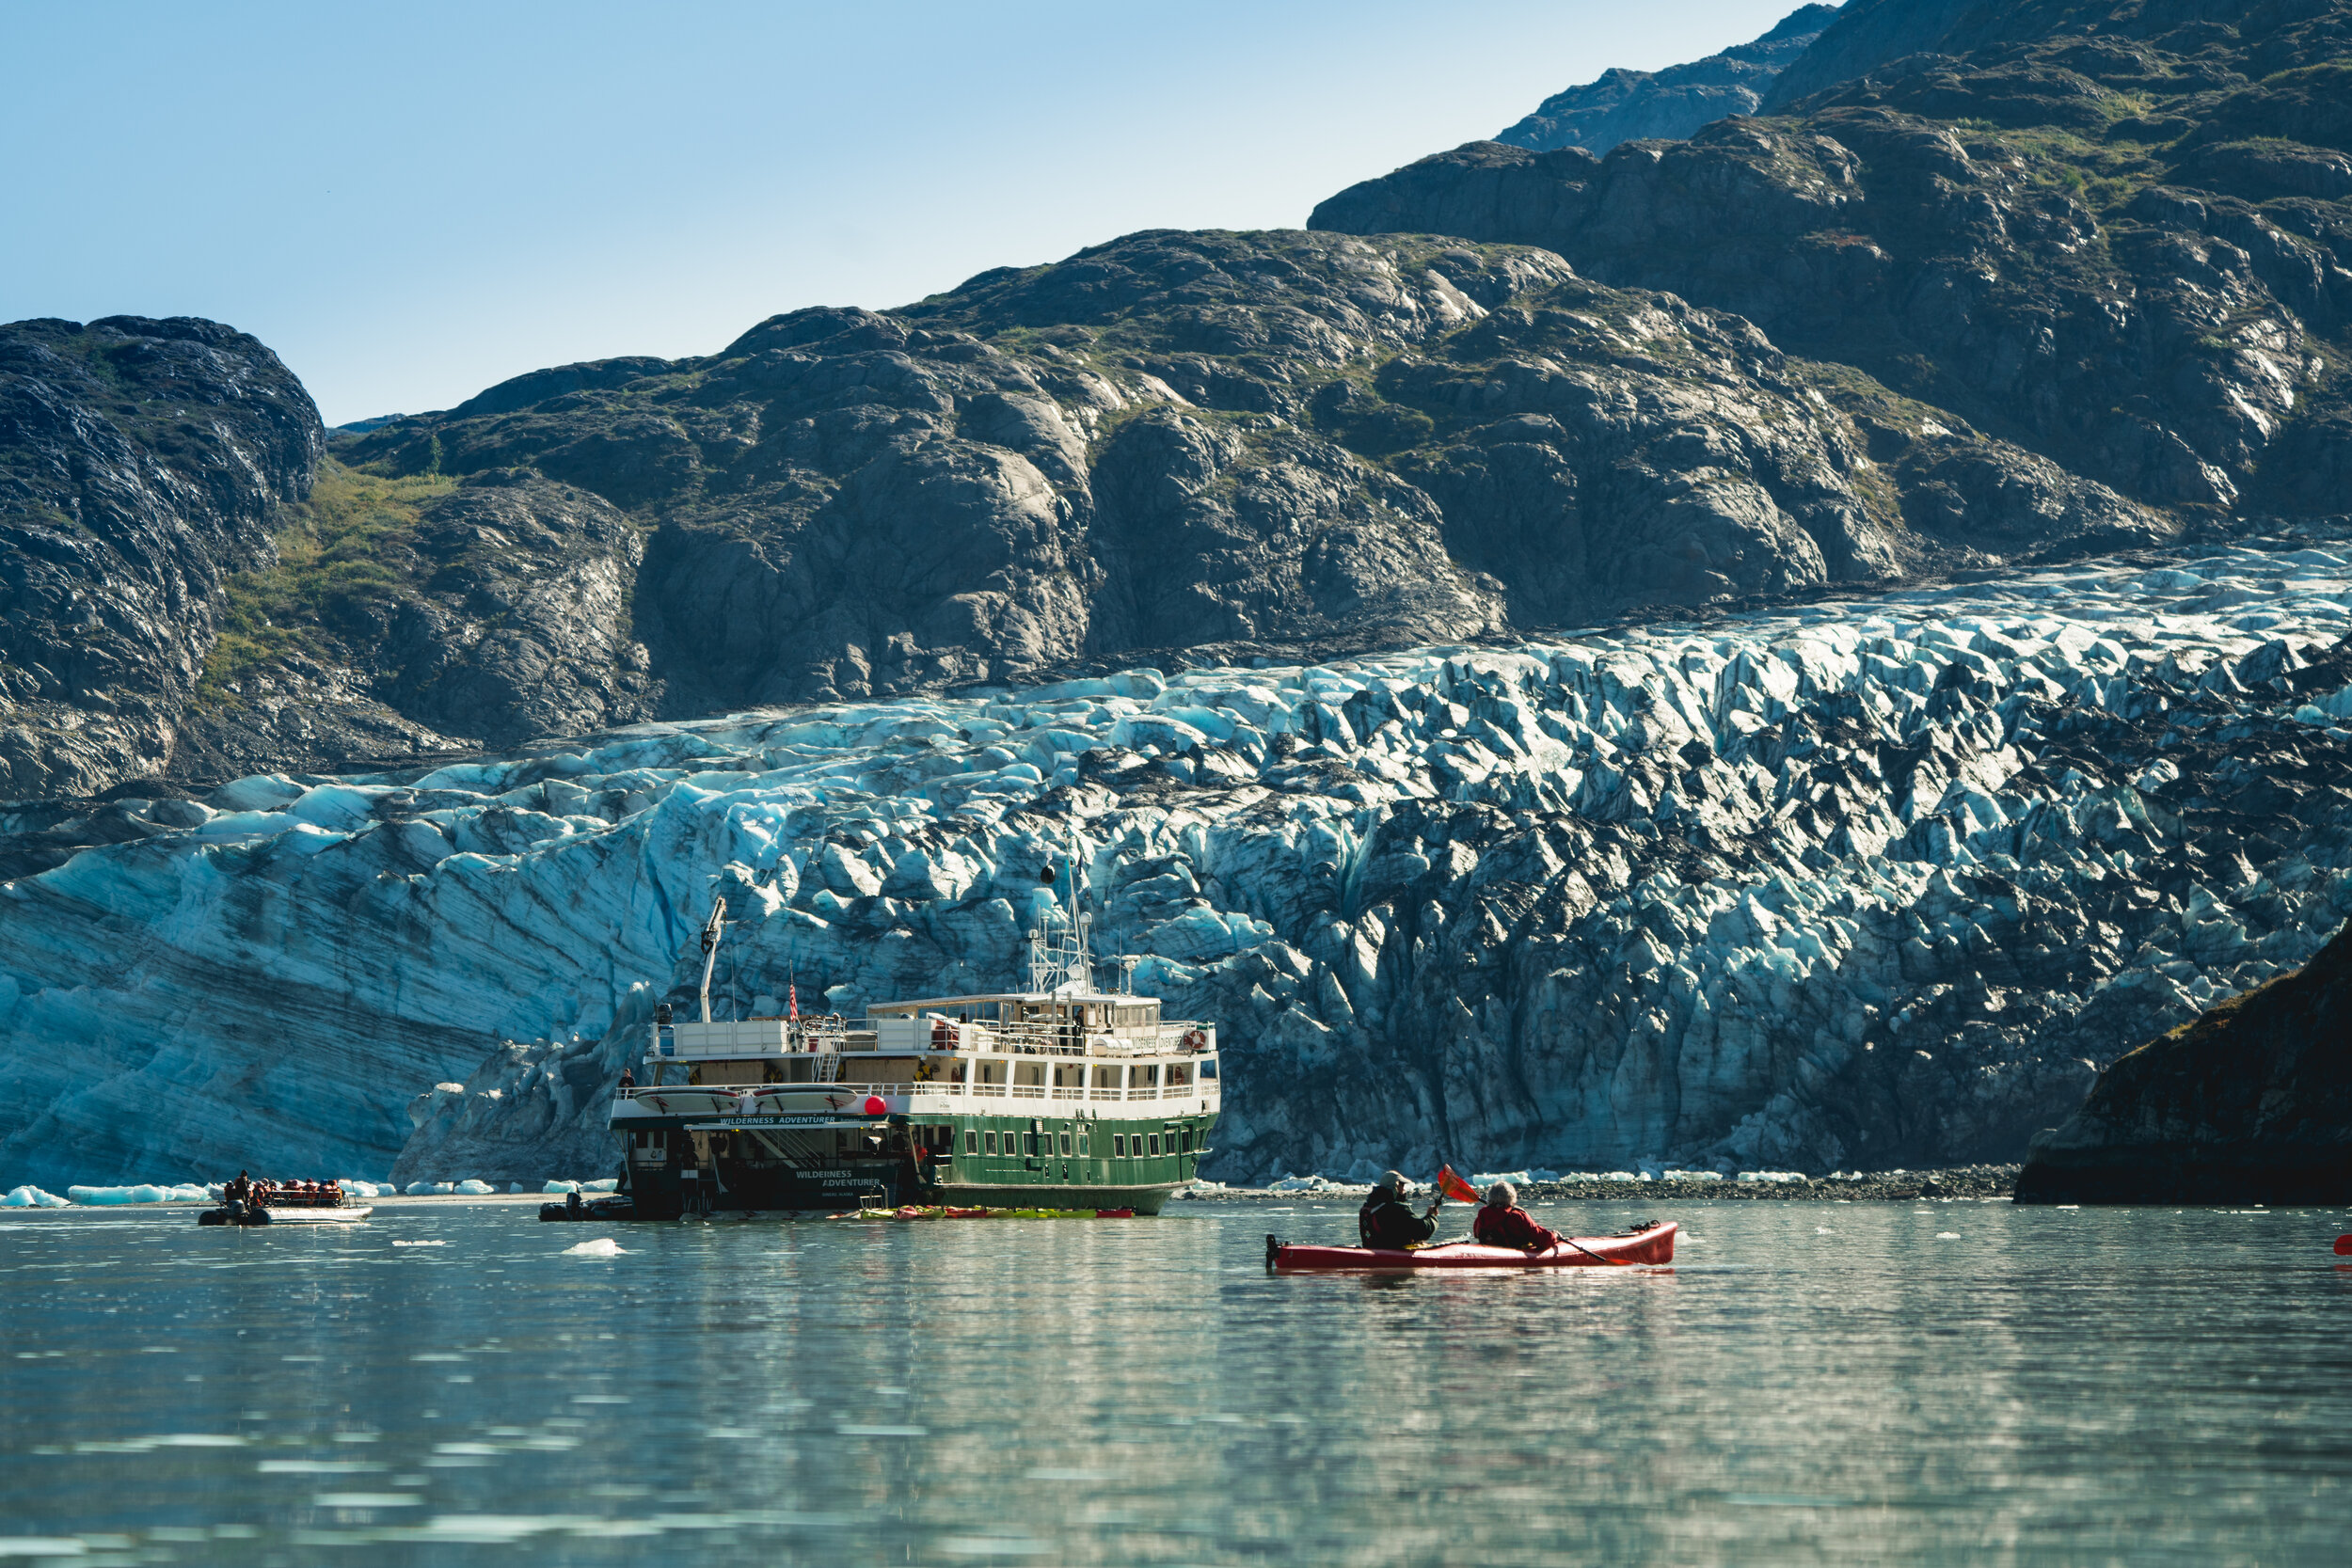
(603, 1246)
(143, 1193)
(33, 1197)
(475, 1189)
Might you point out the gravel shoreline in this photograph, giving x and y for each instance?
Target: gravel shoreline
(1969, 1181)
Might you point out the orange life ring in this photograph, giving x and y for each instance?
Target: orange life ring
(1195, 1040)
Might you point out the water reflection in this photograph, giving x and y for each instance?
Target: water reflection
(1960, 1383)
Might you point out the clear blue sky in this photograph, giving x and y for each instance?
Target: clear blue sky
(411, 201)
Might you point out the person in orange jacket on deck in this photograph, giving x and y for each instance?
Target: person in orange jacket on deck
(1502, 1223)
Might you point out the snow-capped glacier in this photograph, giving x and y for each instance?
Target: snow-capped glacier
(1874, 880)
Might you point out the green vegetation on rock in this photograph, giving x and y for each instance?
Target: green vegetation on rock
(343, 555)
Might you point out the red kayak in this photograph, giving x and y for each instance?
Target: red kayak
(1653, 1243)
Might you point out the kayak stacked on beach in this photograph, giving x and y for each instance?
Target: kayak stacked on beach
(1651, 1245)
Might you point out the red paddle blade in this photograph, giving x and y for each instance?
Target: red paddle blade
(1455, 1187)
(2343, 1247)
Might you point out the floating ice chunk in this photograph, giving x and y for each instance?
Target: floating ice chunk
(560, 1187)
(33, 1197)
(602, 1246)
(1297, 1184)
(1947, 1236)
(109, 1196)
(429, 1189)
(606, 1185)
(1773, 1176)
(419, 1244)
(475, 1189)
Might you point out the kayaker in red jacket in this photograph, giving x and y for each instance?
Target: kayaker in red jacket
(1502, 1223)
(1386, 1221)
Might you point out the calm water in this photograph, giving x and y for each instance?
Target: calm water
(1955, 1383)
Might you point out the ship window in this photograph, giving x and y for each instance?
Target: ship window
(1208, 1067)
(1082, 1140)
(1187, 1140)
(991, 1141)
(1155, 1143)
(971, 1142)
(1119, 1146)
(1065, 1143)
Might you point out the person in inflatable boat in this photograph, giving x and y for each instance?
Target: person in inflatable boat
(1386, 1221)
(1502, 1223)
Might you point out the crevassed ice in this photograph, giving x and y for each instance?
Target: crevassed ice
(1754, 892)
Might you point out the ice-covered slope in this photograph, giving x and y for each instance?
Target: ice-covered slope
(1861, 883)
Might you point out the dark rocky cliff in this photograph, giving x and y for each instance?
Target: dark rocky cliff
(1178, 441)
(141, 461)
(2250, 1103)
(2070, 232)
(1630, 105)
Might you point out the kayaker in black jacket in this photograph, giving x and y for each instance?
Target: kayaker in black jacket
(1385, 1221)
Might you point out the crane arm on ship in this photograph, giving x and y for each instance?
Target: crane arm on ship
(712, 929)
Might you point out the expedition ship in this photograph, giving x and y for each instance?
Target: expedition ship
(1056, 1096)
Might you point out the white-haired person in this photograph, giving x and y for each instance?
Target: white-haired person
(1502, 1223)
(1387, 1220)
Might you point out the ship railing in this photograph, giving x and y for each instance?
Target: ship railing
(1050, 1038)
(1143, 1094)
(1028, 1091)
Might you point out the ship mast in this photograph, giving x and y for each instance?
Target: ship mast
(712, 929)
(1061, 956)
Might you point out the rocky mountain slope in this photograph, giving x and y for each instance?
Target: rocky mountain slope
(1634, 105)
(2251, 1104)
(141, 463)
(1183, 440)
(2080, 225)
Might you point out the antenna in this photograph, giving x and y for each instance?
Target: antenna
(713, 929)
(1061, 945)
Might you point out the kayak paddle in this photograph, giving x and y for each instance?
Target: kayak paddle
(2343, 1247)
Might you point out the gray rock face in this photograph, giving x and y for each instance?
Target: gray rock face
(522, 628)
(2074, 241)
(487, 613)
(1184, 439)
(1862, 34)
(144, 461)
(1632, 105)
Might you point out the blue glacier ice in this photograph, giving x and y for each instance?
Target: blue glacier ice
(1873, 880)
